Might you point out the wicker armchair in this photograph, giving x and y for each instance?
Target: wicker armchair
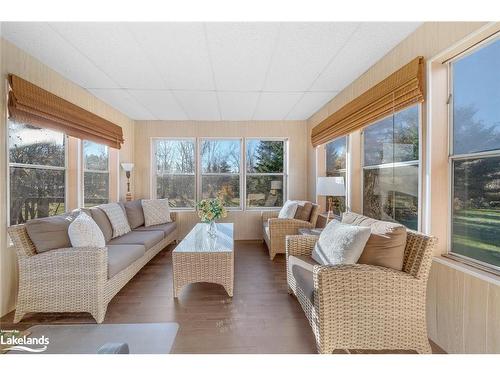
(70, 279)
(366, 307)
(274, 230)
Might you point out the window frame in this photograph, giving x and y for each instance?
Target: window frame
(284, 173)
(153, 190)
(460, 157)
(35, 166)
(199, 171)
(347, 179)
(83, 170)
(397, 164)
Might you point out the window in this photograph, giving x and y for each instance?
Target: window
(37, 172)
(265, 173)
(220, 170)
(175, 171)
(391, 168)
(95, 174)
(336, 165)
(475, 155)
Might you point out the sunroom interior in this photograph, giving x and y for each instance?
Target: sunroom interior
(407, 115)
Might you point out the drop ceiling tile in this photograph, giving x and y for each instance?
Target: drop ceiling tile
(275, 105)
(199, 105)
(310, 103)
(160, 103)
(114, 50)
(40, 41)
(121, 100)
(303, 51)
(241, 53)
(370, 42)
(179, 52)
(237, 106)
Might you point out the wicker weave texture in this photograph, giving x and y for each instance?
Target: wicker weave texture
(210, 267)
(280, 228)
(70, 279)
(367, 307)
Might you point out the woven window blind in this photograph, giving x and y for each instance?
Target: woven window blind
(31, 104)
(401, 89)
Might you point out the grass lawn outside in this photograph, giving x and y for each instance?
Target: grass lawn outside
(476, 234)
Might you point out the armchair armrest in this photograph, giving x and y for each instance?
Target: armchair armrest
(290, 226)
(300, 245)
(266, 215)
(355, 291)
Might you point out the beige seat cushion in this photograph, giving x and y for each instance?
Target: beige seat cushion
(167, 228)
(301, 267)
(304, 210)
(146, 238)
(122, 256)
(266, 230)
(50, 233)
(387, 242)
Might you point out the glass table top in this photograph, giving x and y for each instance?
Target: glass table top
(198, 239)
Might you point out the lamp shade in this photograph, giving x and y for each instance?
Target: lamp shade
(276, 185)
(127, 167)
(333, 186)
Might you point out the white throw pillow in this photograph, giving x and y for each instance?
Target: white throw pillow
(340, 244)
(288, 210)
(117, 218)
(156, 211)
(84, 232)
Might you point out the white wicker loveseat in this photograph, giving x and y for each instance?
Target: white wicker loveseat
(83, 279)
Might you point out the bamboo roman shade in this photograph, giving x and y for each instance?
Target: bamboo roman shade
(31, 104)
(401, 89)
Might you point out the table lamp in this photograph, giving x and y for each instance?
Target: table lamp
(330, 187)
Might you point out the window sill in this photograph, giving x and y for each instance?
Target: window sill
(468, 269)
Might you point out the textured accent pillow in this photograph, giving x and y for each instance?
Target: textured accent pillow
(135, 214)
(117, 218)
(84, 232)
(304, 211)
(288, 210)
(387, 242)
(50, 233)
(340, 244)
(156, 211)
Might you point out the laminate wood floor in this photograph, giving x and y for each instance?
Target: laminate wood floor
(260, 318)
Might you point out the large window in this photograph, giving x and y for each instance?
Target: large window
(336, 164)
(37, 172)
(220, 170)
(475, 155)
(391, 168)
(175, 171)
(95, 174)
(265, 173)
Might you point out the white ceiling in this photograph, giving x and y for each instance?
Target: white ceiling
(210, 71)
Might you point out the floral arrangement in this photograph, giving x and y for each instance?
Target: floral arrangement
(211, 209)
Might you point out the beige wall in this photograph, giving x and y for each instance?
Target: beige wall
(16, 61)
(246, 222)
(463, 303)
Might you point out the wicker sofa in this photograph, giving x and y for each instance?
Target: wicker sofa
(362, 306)
(275, 230)
(83, 279)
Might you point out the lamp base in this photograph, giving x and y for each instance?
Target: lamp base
(128, 196)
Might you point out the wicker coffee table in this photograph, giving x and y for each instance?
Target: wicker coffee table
(200, 258)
